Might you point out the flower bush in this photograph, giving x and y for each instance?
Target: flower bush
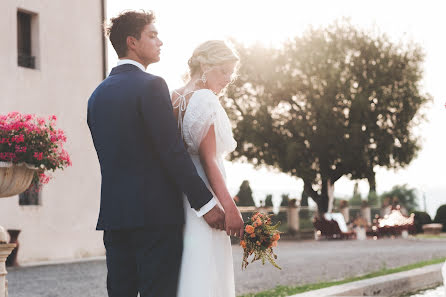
(26, 138)
(259, 239)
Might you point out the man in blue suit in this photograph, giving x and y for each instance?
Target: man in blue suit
(145, 167)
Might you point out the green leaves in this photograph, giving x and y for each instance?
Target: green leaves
(335, 101)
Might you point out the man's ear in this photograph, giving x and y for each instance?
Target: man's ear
(131, 43)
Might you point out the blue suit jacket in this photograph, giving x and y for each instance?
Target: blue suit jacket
(144, 165)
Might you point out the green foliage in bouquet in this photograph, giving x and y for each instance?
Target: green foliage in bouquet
(259, 239)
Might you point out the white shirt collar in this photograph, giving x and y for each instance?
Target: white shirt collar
(133, 62)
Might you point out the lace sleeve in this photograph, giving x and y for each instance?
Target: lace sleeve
(203, 111)
(201, 114)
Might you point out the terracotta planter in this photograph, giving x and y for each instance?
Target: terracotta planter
(434, 229)
(15, 178)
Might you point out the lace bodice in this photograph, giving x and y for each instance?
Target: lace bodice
(196, 117)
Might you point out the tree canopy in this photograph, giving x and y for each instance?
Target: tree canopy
(335, 101)
(402, 195)
(245, 195)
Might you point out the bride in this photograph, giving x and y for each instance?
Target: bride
(207, 264)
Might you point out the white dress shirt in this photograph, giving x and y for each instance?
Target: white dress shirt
(133, 62)
(207, 207)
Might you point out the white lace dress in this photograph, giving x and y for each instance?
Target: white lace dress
(207, 265)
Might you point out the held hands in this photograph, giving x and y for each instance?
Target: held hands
(215, 218)
(234, 222)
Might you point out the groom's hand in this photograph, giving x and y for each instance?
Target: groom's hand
(215, 218)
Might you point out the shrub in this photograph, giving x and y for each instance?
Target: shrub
(440, 217)
(420, 219)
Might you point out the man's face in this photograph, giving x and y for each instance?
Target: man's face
(148, 47)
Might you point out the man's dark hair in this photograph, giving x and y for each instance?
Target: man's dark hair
(128, 23)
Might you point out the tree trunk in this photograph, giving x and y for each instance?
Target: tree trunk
(323, 199)
(372, 182)
(304, 199)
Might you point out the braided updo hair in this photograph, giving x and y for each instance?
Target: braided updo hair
(212, 52)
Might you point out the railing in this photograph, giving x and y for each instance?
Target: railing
(304, 214)
(302, 217)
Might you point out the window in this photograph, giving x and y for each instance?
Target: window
(24, 40)
(31, 196)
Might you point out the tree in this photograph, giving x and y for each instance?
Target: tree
(440, 216)
(285, 200)
(420, 219)
(356, 199)
(304, 199)
(373, 198)
(333, 102)
(403, 196)
(269, 200)
(245, 195)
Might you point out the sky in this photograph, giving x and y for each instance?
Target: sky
(183, 25)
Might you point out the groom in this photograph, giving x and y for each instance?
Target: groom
(145, 167)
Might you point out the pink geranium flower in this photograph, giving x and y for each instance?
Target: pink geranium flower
(33, 140)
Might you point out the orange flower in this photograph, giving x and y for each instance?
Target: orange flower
(243, 244)
(258, 242)
(259, 222)
(253, 235)
(276, 236)
(274, 244)
(249, 229)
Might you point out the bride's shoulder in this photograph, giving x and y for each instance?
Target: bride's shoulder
(205, 99)
(206, 94)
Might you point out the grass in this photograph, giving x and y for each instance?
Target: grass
(283, 291)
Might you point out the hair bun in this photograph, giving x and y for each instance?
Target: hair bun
(212, 52)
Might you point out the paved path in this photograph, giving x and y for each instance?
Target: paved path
(302, 262)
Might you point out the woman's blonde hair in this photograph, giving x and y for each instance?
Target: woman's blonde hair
(212, 52)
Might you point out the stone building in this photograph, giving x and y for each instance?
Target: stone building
(52, 56)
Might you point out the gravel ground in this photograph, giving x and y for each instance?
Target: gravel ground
(302, 262)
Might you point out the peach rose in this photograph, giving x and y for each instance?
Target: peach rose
(249, 229)
(259, 222)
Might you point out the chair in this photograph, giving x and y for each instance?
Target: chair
(333, 226)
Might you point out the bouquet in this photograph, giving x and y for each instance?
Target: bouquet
(26, 138)
(259, 239)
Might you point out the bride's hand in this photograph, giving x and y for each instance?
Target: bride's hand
(234, 222)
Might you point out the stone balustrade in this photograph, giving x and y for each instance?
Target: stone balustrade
(5, 251)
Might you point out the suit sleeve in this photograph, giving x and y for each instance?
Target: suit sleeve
(162, 130)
